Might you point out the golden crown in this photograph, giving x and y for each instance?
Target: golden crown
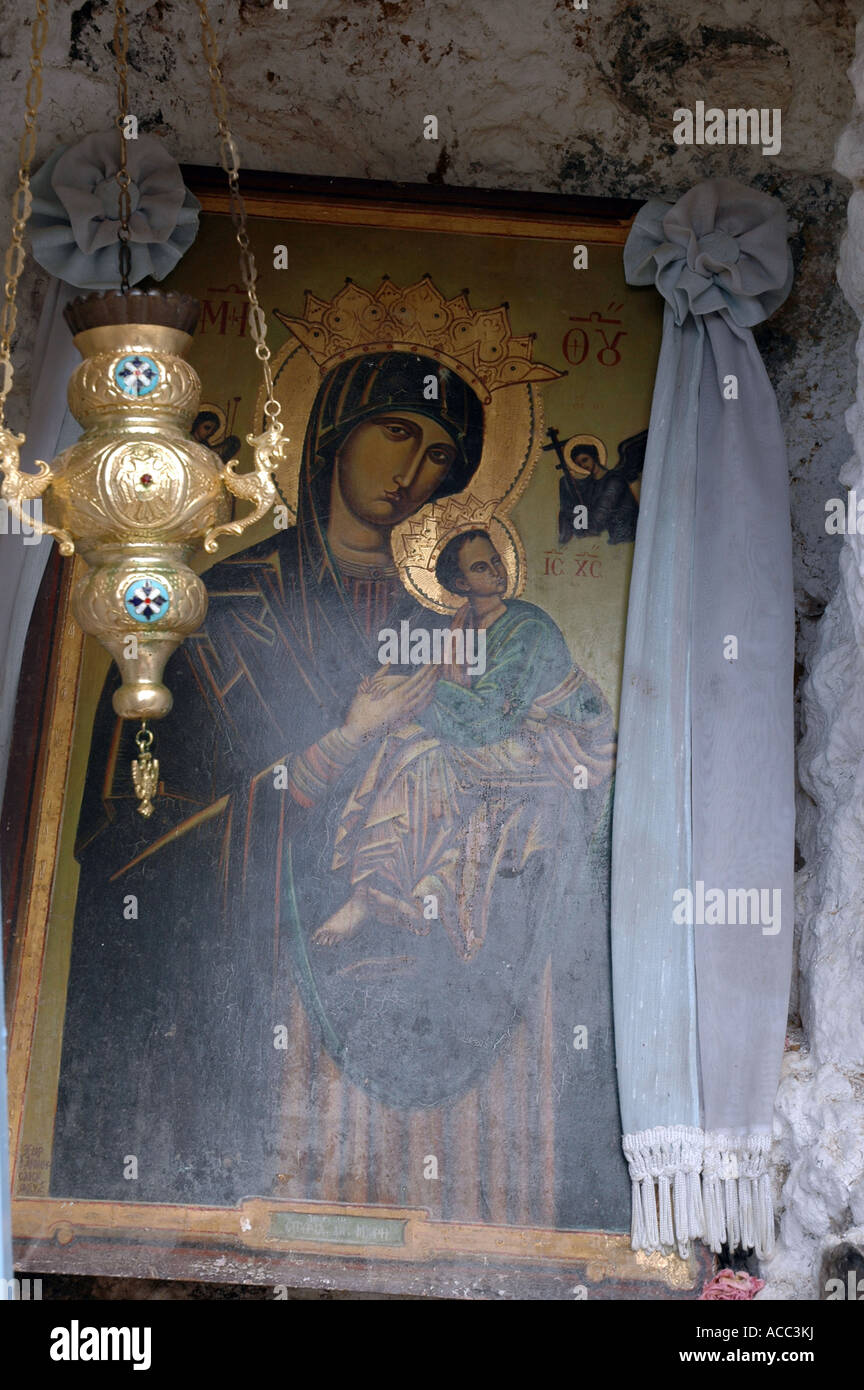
(421, 536)
(477, 344)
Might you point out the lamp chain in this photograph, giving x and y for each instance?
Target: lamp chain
(121, 49)
(231, 164)
(21, 203)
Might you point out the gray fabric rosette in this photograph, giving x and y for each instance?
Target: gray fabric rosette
(75, 220)
(722, 246)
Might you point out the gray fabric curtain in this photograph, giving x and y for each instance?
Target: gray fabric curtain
(703, 836)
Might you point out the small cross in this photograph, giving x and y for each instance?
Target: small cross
(148, 601)
(137, 373)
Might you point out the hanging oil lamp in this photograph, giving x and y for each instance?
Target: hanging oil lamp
(136, 496)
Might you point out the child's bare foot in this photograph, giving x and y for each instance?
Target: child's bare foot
(343, 924)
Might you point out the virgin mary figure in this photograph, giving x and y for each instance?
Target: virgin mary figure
(243, 1061)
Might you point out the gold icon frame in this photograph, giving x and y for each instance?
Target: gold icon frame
(256, 1241)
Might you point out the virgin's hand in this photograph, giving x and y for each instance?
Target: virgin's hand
(385, 702)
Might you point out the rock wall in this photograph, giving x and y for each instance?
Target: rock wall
(547, 98)
(820, 1105)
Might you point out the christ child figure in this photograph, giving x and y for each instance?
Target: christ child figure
(471, 785)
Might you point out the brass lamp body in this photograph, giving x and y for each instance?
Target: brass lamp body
(137, 494)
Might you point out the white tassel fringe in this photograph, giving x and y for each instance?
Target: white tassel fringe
(736, 1190)
(669, 1157)
(688, 1185)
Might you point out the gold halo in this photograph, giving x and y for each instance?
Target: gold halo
(210, 408)
(420, 581)
(572, 447)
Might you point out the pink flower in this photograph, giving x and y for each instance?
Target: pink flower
(729, 1285)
